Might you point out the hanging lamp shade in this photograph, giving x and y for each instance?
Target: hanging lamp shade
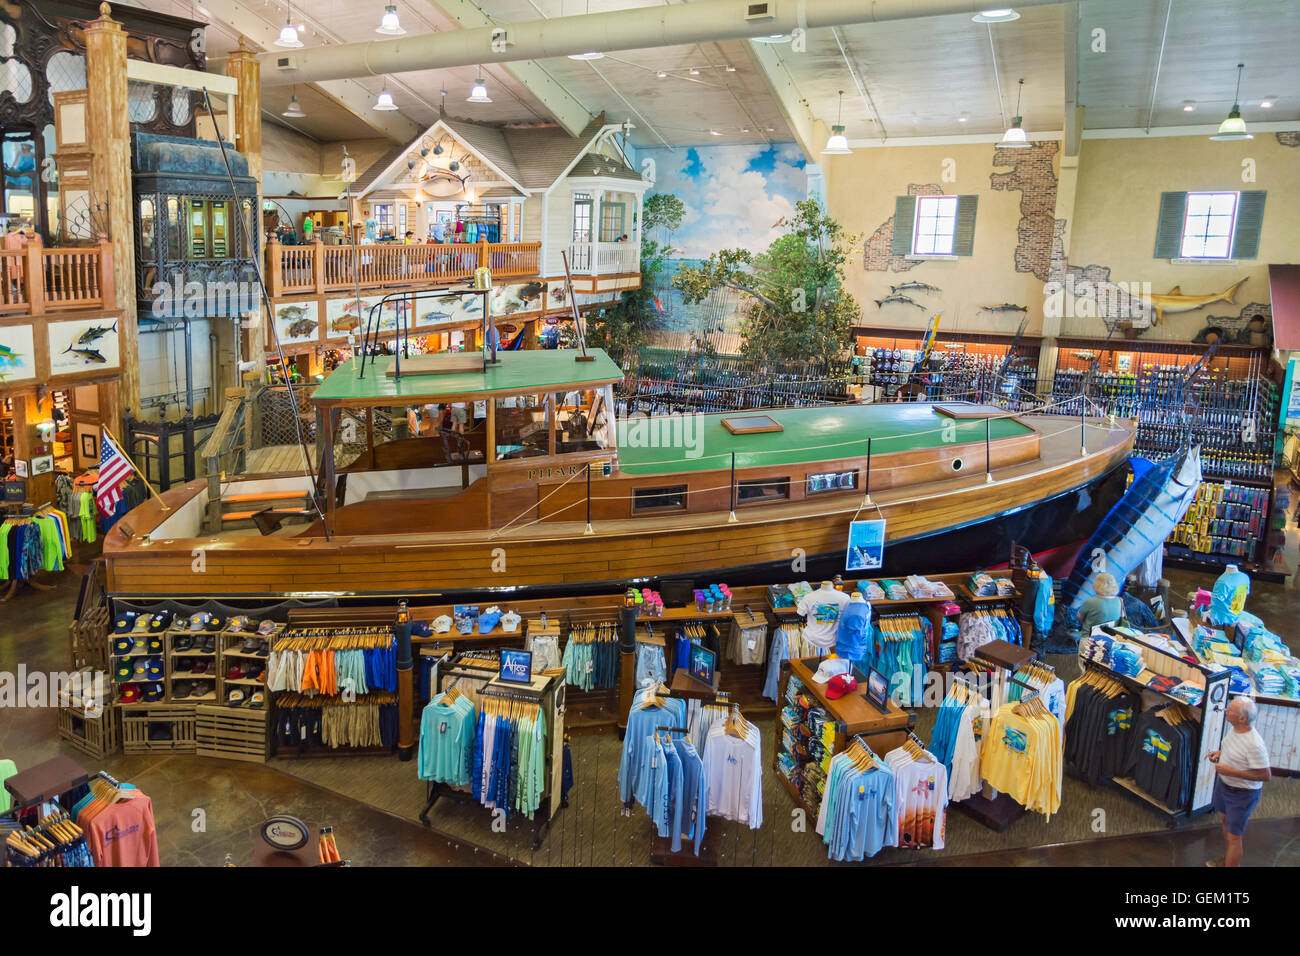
(289, 37)
(384, 101)
(294, 109)
(837, 144)
(1234, 127)
(1015, 137)
(479, 93)
(589, 55)
(389, 25)
(996, 15)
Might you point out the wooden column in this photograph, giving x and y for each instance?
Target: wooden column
(241, 63)
(108, 130)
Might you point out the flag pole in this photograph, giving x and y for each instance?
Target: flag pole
(135, 467)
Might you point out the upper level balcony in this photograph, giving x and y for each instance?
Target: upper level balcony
(317, 268)
(35, 280)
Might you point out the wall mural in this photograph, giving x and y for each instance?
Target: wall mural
(448, 309)
(17, 353)
(1033, 175)
(878, 248)
(735, 197)
(83, 346)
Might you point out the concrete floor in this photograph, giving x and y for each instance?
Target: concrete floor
(380, 829)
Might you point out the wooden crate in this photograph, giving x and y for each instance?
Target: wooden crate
(234, 733)
(96, 736)
(88, 639)
(158, 728)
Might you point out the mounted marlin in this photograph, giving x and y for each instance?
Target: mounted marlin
(1175, 301)
(1139, 523)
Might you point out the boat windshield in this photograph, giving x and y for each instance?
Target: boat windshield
(551, 423)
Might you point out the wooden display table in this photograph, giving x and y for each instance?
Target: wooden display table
(853, 715)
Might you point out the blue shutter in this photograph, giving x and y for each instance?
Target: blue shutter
(904, 225)
(1250, 220)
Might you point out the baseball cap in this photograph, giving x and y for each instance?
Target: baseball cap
(125, 623)
(442, 624)
(830, 667)
(840, 685)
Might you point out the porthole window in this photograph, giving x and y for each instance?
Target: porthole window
(957, 464)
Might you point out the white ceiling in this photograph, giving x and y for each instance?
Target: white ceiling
(921, 75)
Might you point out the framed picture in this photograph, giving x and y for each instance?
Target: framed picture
(703, 664)
(89, 445)
(866, 550)
(877, 690)
(43, 465)
(20, 467)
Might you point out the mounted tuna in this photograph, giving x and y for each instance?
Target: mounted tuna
(1139, 523)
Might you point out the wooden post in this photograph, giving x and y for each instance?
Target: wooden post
(732, 489)
(274, 280)
(588, 531)
(327, 470)
(108, 130)
(107, 288)
(988, 446)
(318, 265)
(34, 275)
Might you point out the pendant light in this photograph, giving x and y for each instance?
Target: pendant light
(1234, 127)
(837, 143)
(389, 25)
(590, 54)
(294, 109)
(1014, 137)
(479, 93)
(288, 33)
(999, 15)
(384, 101)
(773, 38)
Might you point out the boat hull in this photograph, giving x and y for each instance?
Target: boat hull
(971, 526)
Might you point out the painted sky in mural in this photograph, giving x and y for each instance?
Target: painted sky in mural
(735, 196)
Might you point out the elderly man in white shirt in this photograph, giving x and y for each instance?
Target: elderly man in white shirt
(1243, 769)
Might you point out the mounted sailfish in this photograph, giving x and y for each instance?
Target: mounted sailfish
(1139, 523)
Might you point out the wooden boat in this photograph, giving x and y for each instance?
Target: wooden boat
(552, 495)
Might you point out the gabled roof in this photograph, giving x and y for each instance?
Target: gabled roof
(531, 158)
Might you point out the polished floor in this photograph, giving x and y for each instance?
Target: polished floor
(206, 809)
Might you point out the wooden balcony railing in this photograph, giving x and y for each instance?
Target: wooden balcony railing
(320, 268)
(35, 280)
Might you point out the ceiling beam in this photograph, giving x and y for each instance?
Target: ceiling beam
(563, 106)
(1073, 115)
(633, 29)
(350, 95)
(798, 114)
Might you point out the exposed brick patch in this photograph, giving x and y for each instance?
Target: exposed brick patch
(1289, 138)
(877, 250)
(1032, 174)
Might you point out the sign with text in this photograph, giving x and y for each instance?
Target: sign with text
(516, 666)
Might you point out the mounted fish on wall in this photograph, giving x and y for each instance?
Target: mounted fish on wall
(1176, 301)
(83, 346)
(17, 353)
(297, 322)
(346, 315)
(447, 309)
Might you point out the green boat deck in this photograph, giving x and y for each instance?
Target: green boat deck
(518, 373)
(682, 443)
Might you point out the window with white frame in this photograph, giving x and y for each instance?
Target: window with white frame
(1208, 225)
(936, 225)
(384, 218)
(581, 217)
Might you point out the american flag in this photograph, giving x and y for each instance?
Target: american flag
(113, 470)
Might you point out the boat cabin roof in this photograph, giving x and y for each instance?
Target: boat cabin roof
(683, 443)
(525, 372)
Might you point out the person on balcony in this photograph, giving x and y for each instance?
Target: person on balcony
(439, 231)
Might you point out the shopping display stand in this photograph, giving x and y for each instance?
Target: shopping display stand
(1211, 718)
(43, 782)
(547, 690)
(854, 717)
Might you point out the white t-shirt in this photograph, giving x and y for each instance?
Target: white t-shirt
(1243, 752)
(821, 612)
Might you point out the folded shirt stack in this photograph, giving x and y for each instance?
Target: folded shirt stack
(1096, 649)
(1269, 679)
(1126, 658)
(920, 586)
(982, 585)
(1188, 693)
(799, 589)
(871, 591)
(1005, 586)
(894, 590)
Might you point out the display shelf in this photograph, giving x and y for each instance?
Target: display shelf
(688, 613)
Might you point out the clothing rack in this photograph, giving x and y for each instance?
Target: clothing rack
(548, 693)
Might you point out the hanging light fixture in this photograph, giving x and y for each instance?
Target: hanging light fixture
(1014, 137)
(479, 93)
(1234, 127)
(589, 55)
(837, 143)
(774, 38)
(288, 33)
(389, 25)
(384, 101)
(999, 15)
(294, 109)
